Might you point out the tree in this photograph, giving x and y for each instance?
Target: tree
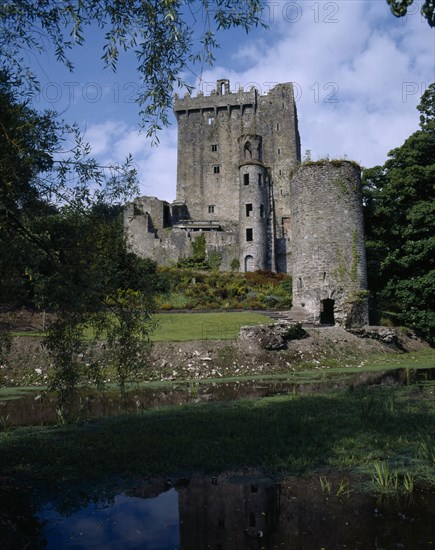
(400, 224)
(399, 8)
(161, 34)
(95, 286)
(63, 247)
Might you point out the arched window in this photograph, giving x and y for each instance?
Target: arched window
(249, 263)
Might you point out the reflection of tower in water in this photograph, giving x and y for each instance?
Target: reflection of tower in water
(227, 513)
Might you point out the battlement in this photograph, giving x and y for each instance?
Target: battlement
(223, 97)
(220, 97)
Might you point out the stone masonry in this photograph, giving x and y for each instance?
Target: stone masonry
(240, 182)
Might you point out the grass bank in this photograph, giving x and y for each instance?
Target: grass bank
(344, 430)
(179, 327)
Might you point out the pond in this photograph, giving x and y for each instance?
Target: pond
(235, 511)
(37, 408)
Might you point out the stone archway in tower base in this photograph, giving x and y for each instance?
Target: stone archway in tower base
(327, 312)
(334, 307)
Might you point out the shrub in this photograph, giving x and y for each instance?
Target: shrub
(235, 264)
(215, 260)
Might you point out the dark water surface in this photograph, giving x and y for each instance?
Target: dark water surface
(234, 512)
(40, 407)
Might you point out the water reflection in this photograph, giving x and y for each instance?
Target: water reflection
(235, 512)
(40, 408)
(121, 522)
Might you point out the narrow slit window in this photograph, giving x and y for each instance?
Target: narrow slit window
(245, 179)
(261, 211)
(248, 210)
(249, 236)
(279, 151)
(260, 179)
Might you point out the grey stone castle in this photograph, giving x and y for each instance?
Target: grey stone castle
(240, 181)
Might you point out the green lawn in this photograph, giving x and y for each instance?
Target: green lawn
(178, 327)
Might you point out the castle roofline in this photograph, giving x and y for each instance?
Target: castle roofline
(222, 96)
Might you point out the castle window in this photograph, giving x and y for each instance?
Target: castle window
(247, 150)
(248, 210)
(300, 283)
(245, 179)
(280, 172)
(261, 211)
(260, 179)
(210, 120)
(259, 152)
(277, 127)
(216, 169)
(249, 236)
(279, 151)
(211, 208)
(249, 263)
(214, 148)
(252, 520)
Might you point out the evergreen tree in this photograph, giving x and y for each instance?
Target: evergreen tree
(400, 226)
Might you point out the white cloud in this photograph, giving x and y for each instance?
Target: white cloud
(355, 53)
(358, 73)
(113, 141)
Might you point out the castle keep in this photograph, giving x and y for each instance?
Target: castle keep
(240, 182)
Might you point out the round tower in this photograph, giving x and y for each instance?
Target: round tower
(254, 204)
(328, 252)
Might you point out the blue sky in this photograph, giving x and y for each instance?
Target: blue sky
(358, 74)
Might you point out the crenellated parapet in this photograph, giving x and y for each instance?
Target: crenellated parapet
(220, 98)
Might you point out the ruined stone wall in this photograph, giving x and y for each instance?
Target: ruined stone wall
(329, 260)
(150, 236)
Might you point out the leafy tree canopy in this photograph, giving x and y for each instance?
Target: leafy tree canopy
(400, 8)
(400, 225)
(161, 34)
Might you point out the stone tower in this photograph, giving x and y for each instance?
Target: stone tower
(209, 159)
(254, 206)
(329, 263)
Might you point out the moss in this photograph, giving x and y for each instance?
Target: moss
(326, 162)
(355, 258)
(342, 186)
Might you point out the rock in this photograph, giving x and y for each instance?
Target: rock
(273, 337)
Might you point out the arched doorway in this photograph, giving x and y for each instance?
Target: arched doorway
(327, 312)
(249, 263)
